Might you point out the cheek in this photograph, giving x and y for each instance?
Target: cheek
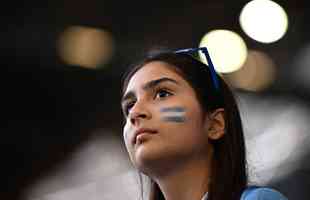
(192, 128)
(129, 147)
(186, 126)
(191, 138)
(126, 136)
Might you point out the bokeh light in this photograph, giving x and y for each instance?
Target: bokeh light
(264, 21)
(227, 49)
(86, 47)
(257, 74)
(276, 133)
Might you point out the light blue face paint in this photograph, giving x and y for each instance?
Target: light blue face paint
(172, 109)
(173, 114)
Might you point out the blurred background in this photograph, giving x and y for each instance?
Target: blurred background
(61, 68)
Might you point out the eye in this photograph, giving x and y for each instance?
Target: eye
(127, 106)
(162, 93)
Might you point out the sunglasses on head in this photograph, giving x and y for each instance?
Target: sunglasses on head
(204, 50)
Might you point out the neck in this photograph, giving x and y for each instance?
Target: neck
(189, 181)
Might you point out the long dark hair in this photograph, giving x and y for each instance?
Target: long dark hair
(228, 167)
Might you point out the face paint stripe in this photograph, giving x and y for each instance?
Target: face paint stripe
(174, 119)
(173, 109)
(173, 114)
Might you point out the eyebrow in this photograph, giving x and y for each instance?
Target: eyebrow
(149, 85)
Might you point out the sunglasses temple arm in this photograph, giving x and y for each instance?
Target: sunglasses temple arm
(211, 66)
(209, 61)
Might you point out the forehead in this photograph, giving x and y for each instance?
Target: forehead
(151, 71)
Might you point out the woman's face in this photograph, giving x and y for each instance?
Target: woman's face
(164, 121)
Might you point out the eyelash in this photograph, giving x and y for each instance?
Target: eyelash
(130, 104)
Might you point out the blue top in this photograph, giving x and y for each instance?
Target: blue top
(262, 193)
(258, 193)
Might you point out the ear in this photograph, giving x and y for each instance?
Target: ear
(215, 124)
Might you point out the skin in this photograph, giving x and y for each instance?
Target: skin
(180, 149)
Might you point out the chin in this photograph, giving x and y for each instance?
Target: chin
(155, 161)
(146, 158)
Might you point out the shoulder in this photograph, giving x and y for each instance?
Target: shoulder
(262, 193)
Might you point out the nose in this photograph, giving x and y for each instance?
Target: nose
(139, 113)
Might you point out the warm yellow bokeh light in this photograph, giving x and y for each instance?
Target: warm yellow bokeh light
(227, 49)
(85, 47)
(257, 73)
(264, 20)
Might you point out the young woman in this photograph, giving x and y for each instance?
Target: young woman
(183, 130)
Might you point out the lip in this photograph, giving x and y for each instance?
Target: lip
(140, 131)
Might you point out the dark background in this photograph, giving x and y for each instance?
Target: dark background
(50, 107)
